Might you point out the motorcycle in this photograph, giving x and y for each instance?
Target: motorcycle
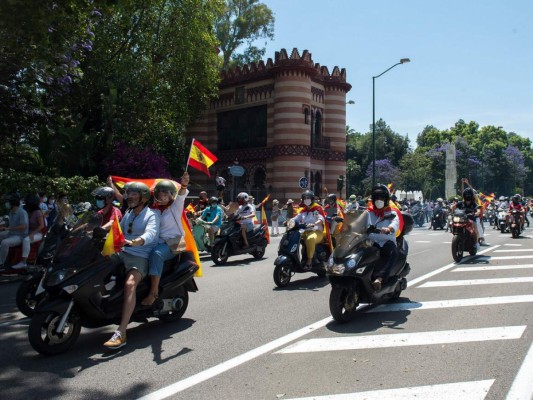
(515, 225)
(463, 235)
(491, 215)
(418, 215)
(439, 219)
(503, 216)
(229, 242)
(201, 237)
(292, 255)
(84, 288)
(350, 268)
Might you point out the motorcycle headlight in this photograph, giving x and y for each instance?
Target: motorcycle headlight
(336, 269)
(55, 278)
(456, 219)
(350, 263)
(290, 224)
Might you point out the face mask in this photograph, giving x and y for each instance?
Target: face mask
(213, 205)
(7, 205)
(307, 202)
(380, 204)
(100, 204)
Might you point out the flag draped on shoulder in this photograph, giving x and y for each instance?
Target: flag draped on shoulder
(190, 244)
(200, 158)
(114, 241)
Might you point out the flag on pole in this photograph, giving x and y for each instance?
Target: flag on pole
(264, 218)
(114, 240)
(190, 208)
(200, 158)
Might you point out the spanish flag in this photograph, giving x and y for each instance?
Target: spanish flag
(190, 244)
(190, 208)
(264, 221)
(200, 158)
(114, 240)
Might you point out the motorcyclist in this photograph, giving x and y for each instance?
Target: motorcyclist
(104, 196)
(504, 203)
(516, 204)
(384, 218)
(246, 214)
(313, 216)
(212, 216)
(331, 210)
(439, 209)
(469, 205)
(353, 205)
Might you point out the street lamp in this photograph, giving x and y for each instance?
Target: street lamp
(402, 61)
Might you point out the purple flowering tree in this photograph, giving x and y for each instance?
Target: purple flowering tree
(386, 172)
(136, 162)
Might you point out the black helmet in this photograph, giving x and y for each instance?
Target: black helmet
(517, 198)
(332, 198)
(468, 194)
(308, 194)
(212, 200)
(382, 192)
(105, 192)
(140, 188)
(165, 186)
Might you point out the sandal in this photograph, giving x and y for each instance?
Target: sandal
(149, 300)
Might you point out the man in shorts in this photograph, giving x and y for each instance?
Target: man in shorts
(140, 226)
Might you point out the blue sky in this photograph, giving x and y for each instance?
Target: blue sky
(470, 60)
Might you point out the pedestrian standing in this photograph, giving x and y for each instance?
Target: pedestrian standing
(274, 217)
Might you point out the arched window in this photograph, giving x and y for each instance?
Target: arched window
(306, 116)
(259, 178)
(317, 187)
(317, 131)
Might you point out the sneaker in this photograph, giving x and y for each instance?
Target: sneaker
(116, 342)
(20, 265)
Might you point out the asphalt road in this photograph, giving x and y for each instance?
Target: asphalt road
(452, 334)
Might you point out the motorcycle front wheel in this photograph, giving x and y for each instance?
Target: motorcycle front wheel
(43, 336)
(339, 304)
(282, 275)
(219, 254)
(457, 248)
(260, 253)
(26, 299)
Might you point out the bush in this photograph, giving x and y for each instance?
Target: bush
(77, 188)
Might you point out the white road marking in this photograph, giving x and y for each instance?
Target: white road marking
(512, 250)
(512, 244)
(475, 390)
(17, 322)
(522, 388)
(447, 242)
(404, 339)
(423, 241)
(492, 268)
(468, 282)
(431, 305)
(506, 257)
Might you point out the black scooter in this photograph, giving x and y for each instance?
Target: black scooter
(229, 242)
(439, 219)
(84, 288)
(350, 268)
(292, 256)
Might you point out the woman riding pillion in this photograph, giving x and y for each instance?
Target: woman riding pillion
(312, 215)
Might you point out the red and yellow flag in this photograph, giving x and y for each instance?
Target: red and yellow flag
(190, 244)
(201, 158)
(190, 208)
(114, 240)
(264, 218)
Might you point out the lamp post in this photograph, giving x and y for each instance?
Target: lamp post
(402, 61)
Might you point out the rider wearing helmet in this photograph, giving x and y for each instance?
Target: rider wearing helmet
(212, 215)
(332, 211)
(470, 206)
(516, 204)
(384, 218)
(246, 214)
(140, 227)
(353, 205)
(313, 216)
(104, 196)
(203, 202)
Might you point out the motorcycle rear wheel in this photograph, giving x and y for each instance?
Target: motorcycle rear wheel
(457, 248)
(43, 337)
(176, 315)
(26, 299)
(282, 275)
(217, 255)
(337, 305)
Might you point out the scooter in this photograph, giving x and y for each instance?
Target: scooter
(439, 219)
(515, 224)
(350, 268)
(84, 288)
(463, 235)
(503, 215)
(229, 241)
(292, 255)
(201, 237)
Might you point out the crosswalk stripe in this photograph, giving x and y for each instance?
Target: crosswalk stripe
(492, 268)
(512, 244)
(404, 339)
(475, 390)
(522, 388)
(423, 241)
(504, 257)
(511, 250)
(468, 282)
(431, 305)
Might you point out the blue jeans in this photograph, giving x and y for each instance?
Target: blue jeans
(157, 258)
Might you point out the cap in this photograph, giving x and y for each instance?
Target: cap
(290, 201)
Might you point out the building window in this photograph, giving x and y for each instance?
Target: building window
(242, 129)
(306, 116)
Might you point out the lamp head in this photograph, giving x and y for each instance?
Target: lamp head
(404, 60)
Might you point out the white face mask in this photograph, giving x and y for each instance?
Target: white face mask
(307, 202)
(380, 204)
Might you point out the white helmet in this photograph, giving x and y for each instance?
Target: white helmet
(242, 196)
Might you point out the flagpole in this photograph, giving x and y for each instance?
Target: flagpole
(188, 158)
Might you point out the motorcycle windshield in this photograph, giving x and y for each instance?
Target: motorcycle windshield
(78, 244)
(352, 234)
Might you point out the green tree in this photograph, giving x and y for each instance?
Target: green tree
(243, 22)
(415, 172)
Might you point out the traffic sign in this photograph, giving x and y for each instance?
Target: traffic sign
(304, 182)
(236, 170)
